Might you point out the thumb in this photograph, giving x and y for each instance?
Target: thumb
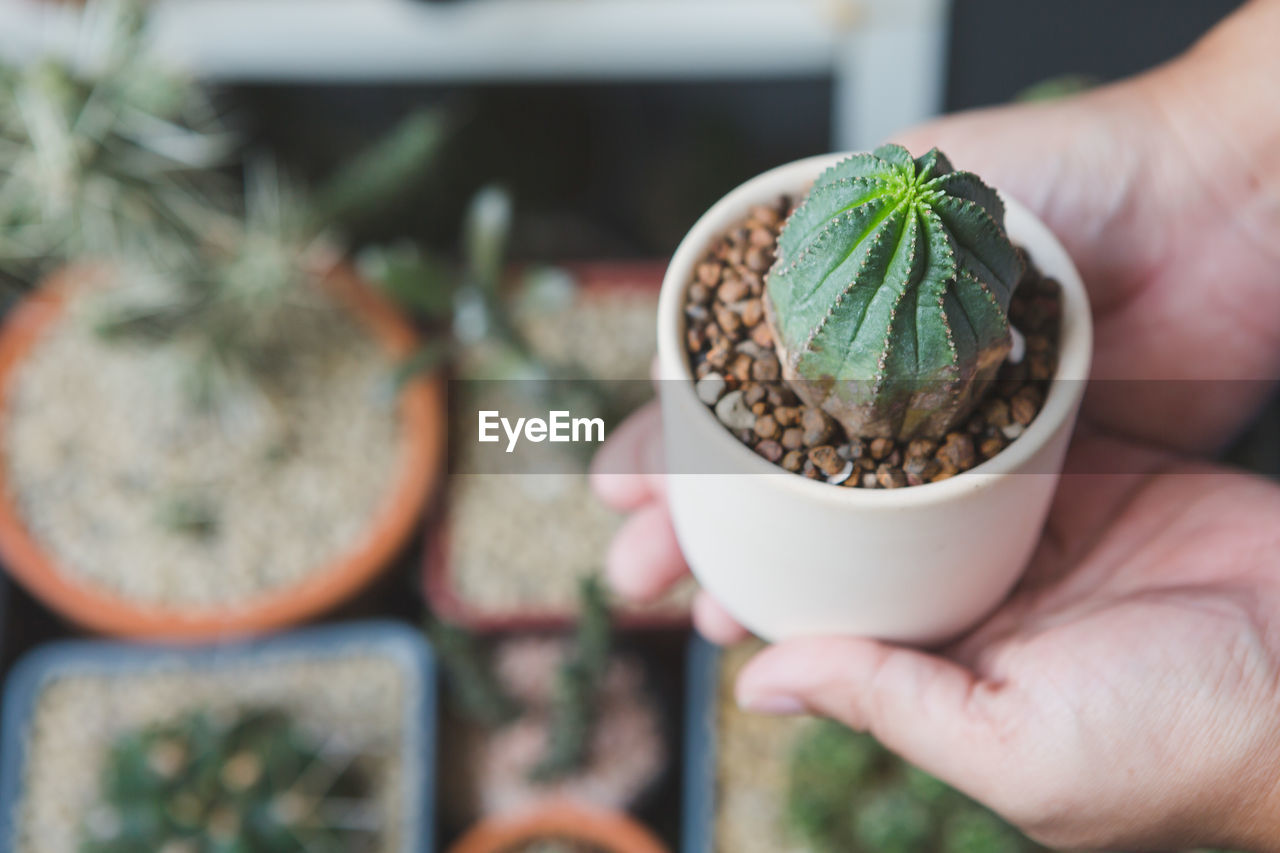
(931, 711)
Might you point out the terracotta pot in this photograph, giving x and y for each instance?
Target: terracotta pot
(788, 556)
(99, 609)
(611, 832)
(597, 279)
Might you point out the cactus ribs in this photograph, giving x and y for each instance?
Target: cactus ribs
(738, 373)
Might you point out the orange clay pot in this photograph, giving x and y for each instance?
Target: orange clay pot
(612, 832)
(100, 609)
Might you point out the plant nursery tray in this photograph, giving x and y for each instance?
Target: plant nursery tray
(403, 646)
(597, 284)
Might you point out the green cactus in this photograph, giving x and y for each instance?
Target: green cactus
(574, 704)
(243, 782)
(889, 295)
(848, 794)
(892, 821)
(103, 151)
(474, 690)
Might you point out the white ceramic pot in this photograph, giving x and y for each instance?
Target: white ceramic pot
(788, 556)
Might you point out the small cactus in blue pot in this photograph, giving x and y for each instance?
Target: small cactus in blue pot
(888, 300)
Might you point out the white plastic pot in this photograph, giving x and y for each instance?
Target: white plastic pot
(788, 556)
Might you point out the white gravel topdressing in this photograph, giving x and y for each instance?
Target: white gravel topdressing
(357, 699)
(523, 542)
(103, 441)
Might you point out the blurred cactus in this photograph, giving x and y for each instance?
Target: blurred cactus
(246, 781)
(848, 794)
(1054, 88)
(888, 298)
(249, 271)
(103, 151)
(474, 690)
(482, 311)
(575, 702)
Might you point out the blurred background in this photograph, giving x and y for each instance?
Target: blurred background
(614, 123)
(507, 179)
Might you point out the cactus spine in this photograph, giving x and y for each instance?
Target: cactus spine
(848, 794)
(218, 783)
(889, 295)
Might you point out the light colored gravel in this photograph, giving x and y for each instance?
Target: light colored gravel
(358, 699)
(104, 441)
(752, 759)
(523, 542)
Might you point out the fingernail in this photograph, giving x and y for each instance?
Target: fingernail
(776, 705)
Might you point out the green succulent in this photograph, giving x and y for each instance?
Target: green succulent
(889, 296)
(250, 272)
(848, 794)
(575, 700)
(474, 690)
(103, 152)
(892, 821)
(253, 781)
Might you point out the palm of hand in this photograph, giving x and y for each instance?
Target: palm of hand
(1142, 652)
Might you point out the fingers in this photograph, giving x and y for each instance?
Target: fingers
(929, 710)
(628, 470)
(715, 623)
(644, 559)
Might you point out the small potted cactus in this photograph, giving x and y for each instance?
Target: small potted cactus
(253, 779)
(848, 794)
(203, 432)
(538, 719)
(320, 739)
(873, 388)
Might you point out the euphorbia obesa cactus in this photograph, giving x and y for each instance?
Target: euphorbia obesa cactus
(888, 299)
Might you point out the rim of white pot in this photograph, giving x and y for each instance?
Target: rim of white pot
(1075, 349)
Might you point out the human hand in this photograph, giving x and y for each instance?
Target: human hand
(1165, 190)
(1126, 694)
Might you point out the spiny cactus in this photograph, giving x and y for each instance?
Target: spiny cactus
(848, 794)
(888, 298)
(102, 151)
(577, 688)
(251, 781)
(474, 690)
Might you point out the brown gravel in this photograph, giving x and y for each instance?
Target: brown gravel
(738, 374)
